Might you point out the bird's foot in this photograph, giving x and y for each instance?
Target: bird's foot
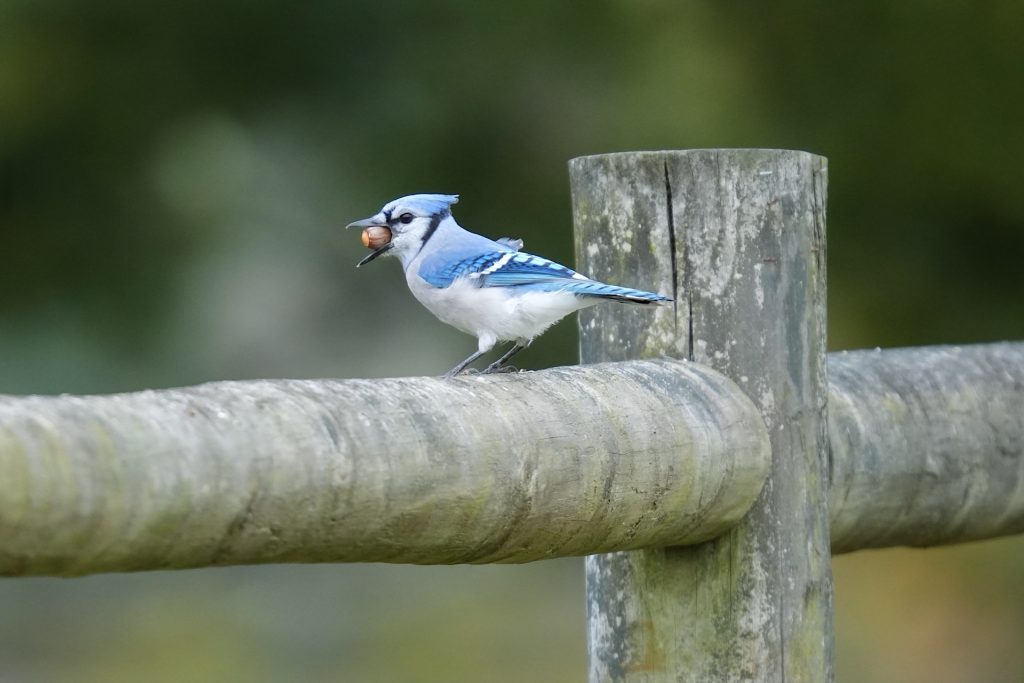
(498, 369)
(462, 373)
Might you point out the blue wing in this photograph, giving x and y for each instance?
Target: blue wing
(526, 273)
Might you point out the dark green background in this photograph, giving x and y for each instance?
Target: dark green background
(174, 177)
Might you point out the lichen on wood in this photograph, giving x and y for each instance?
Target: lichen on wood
(737, 236)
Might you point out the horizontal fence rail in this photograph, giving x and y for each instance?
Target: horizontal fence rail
(511, 468)
(927, 447)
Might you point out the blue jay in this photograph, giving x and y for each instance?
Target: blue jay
(483, 287)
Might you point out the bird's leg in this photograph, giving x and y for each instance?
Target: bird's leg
(496, 366)
(462, 366)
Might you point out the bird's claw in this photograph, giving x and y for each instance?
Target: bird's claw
(462, 373)
(494, 370)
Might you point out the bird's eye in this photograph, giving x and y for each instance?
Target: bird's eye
(406, 218)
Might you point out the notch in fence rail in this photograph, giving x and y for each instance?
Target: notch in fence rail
(739, 237)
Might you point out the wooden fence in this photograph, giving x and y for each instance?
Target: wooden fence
(708, 473)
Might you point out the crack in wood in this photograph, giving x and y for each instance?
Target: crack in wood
(676, 277)
(672, 247)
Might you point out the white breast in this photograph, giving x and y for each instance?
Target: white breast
(495, 314)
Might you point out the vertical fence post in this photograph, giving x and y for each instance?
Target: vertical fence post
(739, 237)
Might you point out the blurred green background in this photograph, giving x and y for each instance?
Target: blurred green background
(174, 176)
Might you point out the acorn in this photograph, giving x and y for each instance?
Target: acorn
(376, 237)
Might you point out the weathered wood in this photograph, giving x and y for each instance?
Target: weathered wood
(927, 445)
(507, 468)
(738, 236)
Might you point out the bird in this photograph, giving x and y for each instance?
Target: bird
(486, 288)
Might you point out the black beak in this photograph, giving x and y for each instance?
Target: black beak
(380, 252)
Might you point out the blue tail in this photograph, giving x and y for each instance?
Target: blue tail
(615, 293)
(599, 290)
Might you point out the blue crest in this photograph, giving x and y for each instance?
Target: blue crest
(423, 204)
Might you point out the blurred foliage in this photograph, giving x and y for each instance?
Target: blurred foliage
(173, 177)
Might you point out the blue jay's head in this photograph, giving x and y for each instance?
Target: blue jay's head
(411, 220)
